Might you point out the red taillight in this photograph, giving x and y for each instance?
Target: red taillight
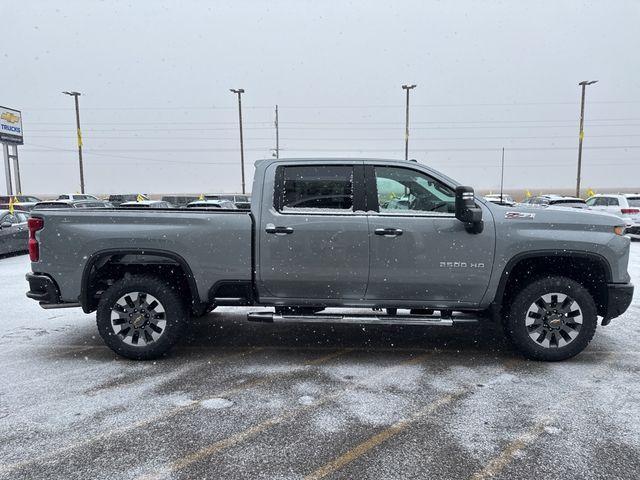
(630, 211)
(35, 224)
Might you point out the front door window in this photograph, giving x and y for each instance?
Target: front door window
(406, 191)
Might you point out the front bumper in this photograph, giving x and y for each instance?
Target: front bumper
(619, 296)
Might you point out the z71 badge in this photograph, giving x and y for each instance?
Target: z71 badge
(516, 215)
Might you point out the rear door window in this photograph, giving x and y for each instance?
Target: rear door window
(325, 188)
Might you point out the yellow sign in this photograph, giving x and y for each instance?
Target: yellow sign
(527, 194)
(10, 117)
(11, 205)
(139, 198)
(201, 197)
(590, 192)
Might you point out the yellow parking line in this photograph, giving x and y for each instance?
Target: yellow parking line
(381, 437)
(230, 441)
(329, 356)
(497, 464)
(250, 432)
(115, 431)
(270, 379)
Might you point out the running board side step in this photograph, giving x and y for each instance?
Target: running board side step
(420, 320)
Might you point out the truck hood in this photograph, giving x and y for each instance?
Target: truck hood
(556, 216)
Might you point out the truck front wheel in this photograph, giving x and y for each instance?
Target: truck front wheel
(552, 318)
(141, 317)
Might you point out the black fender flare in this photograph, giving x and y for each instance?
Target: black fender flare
(515, 260)
(196, 303)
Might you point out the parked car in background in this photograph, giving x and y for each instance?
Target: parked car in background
(242, 201)
(117, 199)
(557, 201)
(146, 204)
(14, 234)
(625, 206)
(219, 204)
(77, 196)
(72, 204)
(501, 199)
(179, 200)
(24, 202)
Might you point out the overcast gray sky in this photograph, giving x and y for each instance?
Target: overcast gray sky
(158, 116)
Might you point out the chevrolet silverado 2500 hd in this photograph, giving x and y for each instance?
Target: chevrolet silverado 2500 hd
(355, 233)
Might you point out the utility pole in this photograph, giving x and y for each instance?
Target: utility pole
(406, 125)
(240, 91)
(277, 135)
(581, 136)
(502, 177)
(7, 168)
(75, 96)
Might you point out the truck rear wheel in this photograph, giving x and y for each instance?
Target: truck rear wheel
(141, 317)
(551, 319)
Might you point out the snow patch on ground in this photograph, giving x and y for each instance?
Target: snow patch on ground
(216, 403)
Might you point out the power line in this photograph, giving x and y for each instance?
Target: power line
(432, 122)
(426, 150)
(269, 107)
(336, 139)
(399, 128)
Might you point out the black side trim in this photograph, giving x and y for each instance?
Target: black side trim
(93, 259)
(278, 187)
(359, 192)
(371, 188)
(619, 296)
(547, 253)
(242, 290)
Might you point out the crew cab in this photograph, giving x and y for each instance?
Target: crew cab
(398, 240)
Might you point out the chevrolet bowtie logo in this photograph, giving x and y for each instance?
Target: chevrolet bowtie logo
(10, 117)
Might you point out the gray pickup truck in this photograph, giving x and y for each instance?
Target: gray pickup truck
(396, 238)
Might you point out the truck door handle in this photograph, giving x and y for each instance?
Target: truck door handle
(388, 232)
(271, 228)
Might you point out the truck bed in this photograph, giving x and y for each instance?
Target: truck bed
(215, 245)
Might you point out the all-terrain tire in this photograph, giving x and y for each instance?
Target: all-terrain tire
(541, 330)
(141, 317)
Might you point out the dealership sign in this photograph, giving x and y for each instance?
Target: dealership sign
(10, 126)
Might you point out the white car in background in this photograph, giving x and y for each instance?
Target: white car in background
(504, 199)
(625, 206)
(76, 196)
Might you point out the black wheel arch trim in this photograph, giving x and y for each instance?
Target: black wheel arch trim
(196, 303)
(515, 260)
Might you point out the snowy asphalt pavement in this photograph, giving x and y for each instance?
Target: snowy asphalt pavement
(240, 400)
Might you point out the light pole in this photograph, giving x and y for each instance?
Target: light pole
(581, 136)
(240, 91)
(277, 135)
(406, 124)
(75, 95)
